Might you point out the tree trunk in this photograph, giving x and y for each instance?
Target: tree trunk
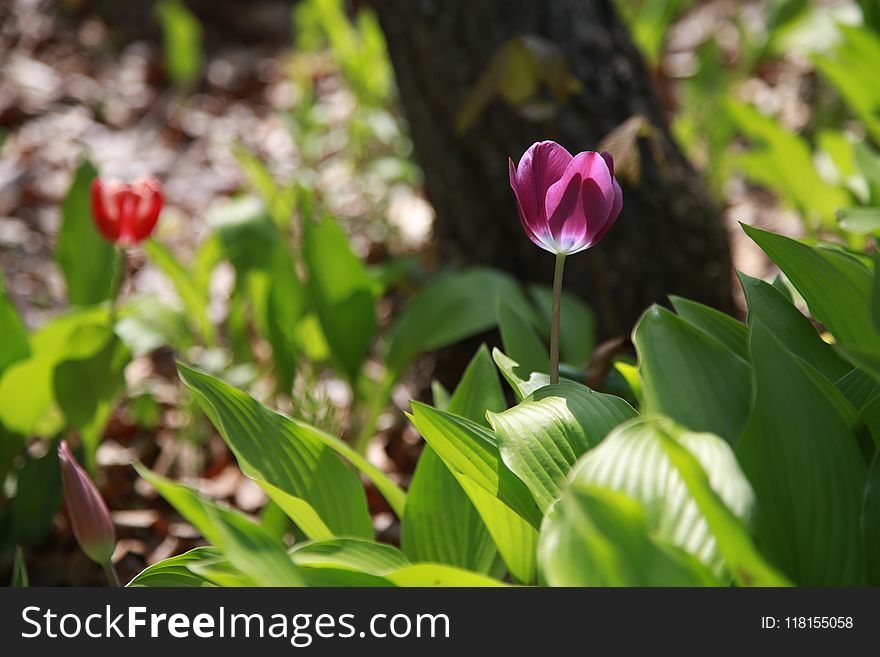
(669, 238)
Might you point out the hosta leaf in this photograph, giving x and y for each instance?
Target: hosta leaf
(691, 376)
(342, 294)
(836, 286)
(771, 307)
(15, 337)
(632, 461)
(512, 374)
(355, 553)
(577, 325)
(871, 523)
(724, 328)
(598, 537)
(429, 574)
(800, 453)
(440, 523)
(175, 571)
(541, 437)
(453, 307)
(272, 448)
(521, 341)
(472, 450)
(86, 259)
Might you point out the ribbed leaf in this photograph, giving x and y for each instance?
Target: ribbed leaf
(355, 553)
(691, 376)
(175, 572)
(512, 373)
(632, 461)
(800, 453)
(724, 328)
(541, 437)
(871, 523)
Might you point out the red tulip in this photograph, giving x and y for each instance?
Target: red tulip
(126, 213)
(89, 515)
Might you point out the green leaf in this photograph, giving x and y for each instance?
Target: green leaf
(512, 373)
(26, 400)
(691, 376)
(521, 341)
(862, 221)
(280, 201)
(87, 407)
(86, 259)
(182, 42)
(19, 570)
(37, 498)
(342, 294)
(440, 523)
(800, 453)
(472, 450)
(145, 323)
(598, 537)
(429, 574)
(175, 572)
(243, 542)
(732, 334)
(194, 300)
(631, 460)
(871, 523)
(300, 511)
(15, 338)
(577, 325)
(452, 308)
(274, 449)
(768, 305)
(734, 543)
(541, 437)
(353, 553)
(836, 286)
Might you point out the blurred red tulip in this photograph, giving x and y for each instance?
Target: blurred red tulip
(126, 213)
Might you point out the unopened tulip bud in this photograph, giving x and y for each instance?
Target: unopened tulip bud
(566, 203)
(89, 515)
(124, 213)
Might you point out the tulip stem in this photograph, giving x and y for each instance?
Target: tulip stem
(554, 319)
(110, 572)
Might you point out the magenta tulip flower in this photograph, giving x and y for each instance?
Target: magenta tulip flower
(566, 205)
(89, 515)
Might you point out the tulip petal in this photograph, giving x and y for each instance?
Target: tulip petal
(572, 229)
(542, 165)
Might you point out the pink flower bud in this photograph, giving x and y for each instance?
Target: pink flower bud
(89, 515)
(566, 204)
(126, 213)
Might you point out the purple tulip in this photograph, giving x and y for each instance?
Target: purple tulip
(89, 515)
(566, 204)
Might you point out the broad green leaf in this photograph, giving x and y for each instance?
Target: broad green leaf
(243, 542)
(37, 499)
(182, 42)
(280, 201)
(284, 307)
(354, 553)
(541, 437)
(342, 294)
(175, 572)
(429, 574)
(691, 376)
(863, 221)
(521, 341)
(734, 543)
(440, 523)
(86, 259)
(724, 328)
(19, 570)
(515, 538)
(512, 374)
(15, 338)
(871, 523)
(300, 511)
(577, 325)
(836, 286)
(800, 453)
(772, 308)
(631, 460)
(453, 307)
(194, 300)
(862, 390)
(598, 537)
(272, 448)
(26, 401)
(470, 449)
(87, 407)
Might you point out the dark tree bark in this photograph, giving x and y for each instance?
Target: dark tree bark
(670, 237)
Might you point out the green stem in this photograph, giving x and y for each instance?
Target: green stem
(110, 572)
(377, 404)
(554, 319)
(119, 271)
